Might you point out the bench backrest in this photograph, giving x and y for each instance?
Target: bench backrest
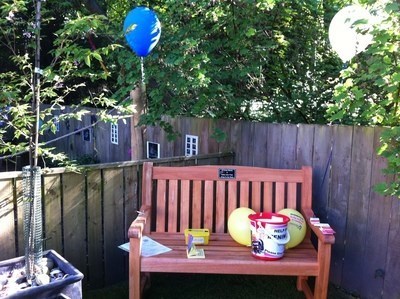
(204, 196)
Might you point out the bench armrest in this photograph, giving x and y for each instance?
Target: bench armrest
(327, 239)
(138, 225)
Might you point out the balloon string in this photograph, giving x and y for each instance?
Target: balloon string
(142, 69)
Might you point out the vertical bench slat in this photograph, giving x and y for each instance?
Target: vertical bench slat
(232, 196)
(244, 194)
(279, 196)
(306, 188)
(196, 205)
(173, 206)
(147, 191)
(268, 202)
(220, 207)
(185, 205)
(292, 195)
(208, 204)
(256, 196)
(161, 205)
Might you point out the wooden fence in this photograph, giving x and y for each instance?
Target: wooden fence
(86, 215)
(366, 256)
(87, 140)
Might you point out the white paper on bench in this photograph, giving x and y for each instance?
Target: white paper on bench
(149, 247)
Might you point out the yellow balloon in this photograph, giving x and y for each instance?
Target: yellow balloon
(239, 225)
(297, 227)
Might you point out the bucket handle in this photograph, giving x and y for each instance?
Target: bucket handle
(277, 241)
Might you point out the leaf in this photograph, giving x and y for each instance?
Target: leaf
(218, 135)
(251, 32)
(381, 188)
(396, 77)
(87, 60)
(97, 56)
(382, 149)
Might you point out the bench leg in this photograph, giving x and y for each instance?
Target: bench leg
(134, 270)
(322, 280)
(303, 286)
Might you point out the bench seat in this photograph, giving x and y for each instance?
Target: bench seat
(235, 258)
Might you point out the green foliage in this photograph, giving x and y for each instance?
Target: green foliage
(369, 91)
(218, 135)
(72, 67)
(236, 60)
(218, 59)
(267, 60)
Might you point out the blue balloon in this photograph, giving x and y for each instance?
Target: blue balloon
(142, 30)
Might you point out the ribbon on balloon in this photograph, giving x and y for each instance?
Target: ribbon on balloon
(346, 40)
(142, 31)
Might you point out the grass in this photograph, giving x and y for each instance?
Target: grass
(199, 286)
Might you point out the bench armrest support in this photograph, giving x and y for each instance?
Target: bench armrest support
(139, 224)
(324, 258)
(135, 233)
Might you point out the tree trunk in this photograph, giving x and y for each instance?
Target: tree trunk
(138, 98)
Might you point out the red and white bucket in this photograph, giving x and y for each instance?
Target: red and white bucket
(269, 235)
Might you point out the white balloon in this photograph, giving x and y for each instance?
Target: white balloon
(343, 36)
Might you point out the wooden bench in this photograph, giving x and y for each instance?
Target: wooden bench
(176, 198)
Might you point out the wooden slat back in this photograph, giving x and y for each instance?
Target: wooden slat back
(197, 197)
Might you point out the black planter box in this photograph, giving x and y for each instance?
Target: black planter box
(69, 287)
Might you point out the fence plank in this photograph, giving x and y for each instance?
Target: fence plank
(339, 196)
(235, 135)
(169, 147)
(203, 133)
(84, 140)
(102, 142)
(178, 146)
(260, 146)
(224, 126)
(95, 275)
(212, 142)
(74, 220)
(305, 145)
(122, 151)
(377, 243)
(246, 141)
(288, 146)
(274, 145)
(130, 196)
(7, 229)
(113, 225)
(391, 285)
(360, 180)
(321, 163)
(52, 212)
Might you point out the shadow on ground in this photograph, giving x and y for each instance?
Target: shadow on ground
(198, 286)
